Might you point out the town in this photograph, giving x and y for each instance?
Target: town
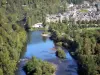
(80, 12)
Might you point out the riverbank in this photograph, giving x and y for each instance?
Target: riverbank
(35, 29)
(45, 34)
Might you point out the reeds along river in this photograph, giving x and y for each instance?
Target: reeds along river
(43, 48)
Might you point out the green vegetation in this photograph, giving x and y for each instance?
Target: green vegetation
(82, 41)
(59, 44)
(33, 29)
(60, 54)
(45, 32)
(88, 51)
(39, 67)
(12, 37)
(58, 31)
(84, 10)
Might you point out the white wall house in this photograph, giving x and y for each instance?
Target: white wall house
(38, 25)
(70, 5)
(86, 3)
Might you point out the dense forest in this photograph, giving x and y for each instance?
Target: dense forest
(83, 44)
(12, 36)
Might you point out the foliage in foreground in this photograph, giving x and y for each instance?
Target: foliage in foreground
(39, 67)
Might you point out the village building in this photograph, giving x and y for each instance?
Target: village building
(86, 3)
(38, 25)
(70, 5)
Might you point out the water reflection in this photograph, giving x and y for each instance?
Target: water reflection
(44, 39)
(34, 37)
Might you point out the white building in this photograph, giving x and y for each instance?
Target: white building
(70, 5)
(86, 3)
(38, 25)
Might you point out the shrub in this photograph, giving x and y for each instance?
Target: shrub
(39, 67)
(60, 54)
(59, 43)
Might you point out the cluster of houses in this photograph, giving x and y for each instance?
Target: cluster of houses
(81, 12)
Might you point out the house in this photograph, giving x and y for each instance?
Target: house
(38, 25)
(86, 3)
(70, 5)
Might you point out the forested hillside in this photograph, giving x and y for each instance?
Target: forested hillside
(83, 44)
(12, 36)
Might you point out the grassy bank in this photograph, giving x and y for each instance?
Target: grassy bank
(34, 29)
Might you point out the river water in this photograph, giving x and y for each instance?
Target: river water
(42, 48)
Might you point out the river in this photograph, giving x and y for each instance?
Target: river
(42, 48)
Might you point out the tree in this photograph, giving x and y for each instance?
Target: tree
(91, 65)
(60, 54)
(39, 67)
(1, 72)
(59, 43)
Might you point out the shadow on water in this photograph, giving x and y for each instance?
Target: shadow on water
(42, 48)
